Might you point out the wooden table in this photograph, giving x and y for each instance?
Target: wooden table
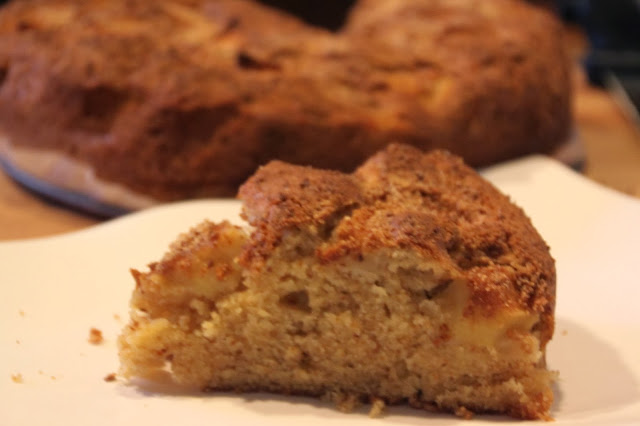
(611, 142)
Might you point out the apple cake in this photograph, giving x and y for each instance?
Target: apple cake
(179, 99)
(412, 280)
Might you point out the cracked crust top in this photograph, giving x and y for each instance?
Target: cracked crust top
(402, 198)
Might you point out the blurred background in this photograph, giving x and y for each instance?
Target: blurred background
(603, 38)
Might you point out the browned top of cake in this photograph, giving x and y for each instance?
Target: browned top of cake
(401, 198)
(185, 98)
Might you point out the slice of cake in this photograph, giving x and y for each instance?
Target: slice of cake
(411, 280)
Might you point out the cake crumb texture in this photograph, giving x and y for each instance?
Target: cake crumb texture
(412, 280)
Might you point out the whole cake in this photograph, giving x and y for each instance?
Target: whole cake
(175, 99)
(412, 280)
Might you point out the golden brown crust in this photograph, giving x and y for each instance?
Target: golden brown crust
(186, 98)
(486, 235)
(199, 263)
(402, 198)
(282, 196)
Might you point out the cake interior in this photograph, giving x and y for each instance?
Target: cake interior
(388, 326)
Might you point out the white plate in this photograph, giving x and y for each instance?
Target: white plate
(53, 290)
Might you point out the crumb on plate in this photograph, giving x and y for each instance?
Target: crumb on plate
(464, 413)
(95, 336)
(377, 407)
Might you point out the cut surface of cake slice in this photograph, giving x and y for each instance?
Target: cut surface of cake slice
(412, 280)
